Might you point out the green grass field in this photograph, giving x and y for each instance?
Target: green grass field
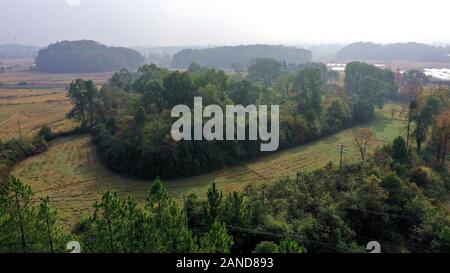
(72, 176)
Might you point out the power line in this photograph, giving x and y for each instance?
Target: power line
(317, 242)
(382, 213)
(391, 244)
(321, 243)
(97, 195)
(60, 197)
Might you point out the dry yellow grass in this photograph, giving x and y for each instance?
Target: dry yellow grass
(32, 108)
(71, 175)
(36, 99)
(6, 93)
(24, 79)
(31, 116)
(23, 96)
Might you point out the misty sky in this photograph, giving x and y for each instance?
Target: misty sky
(223, 22)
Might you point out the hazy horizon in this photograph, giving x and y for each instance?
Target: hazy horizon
(178, 23)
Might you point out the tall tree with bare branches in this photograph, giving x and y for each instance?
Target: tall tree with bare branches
(363, 137)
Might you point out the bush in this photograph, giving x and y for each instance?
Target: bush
(421, 176)
(399, 149)
(46, 133)
(16, 150)
(267, 247)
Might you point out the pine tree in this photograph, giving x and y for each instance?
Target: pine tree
(158, 198)
(48, 230)
(284, 246)
(107, 224)
(234, 210)
(267, 247)
(16, 228)
(290, 246)
(174, 234)
(214, 205)
(169, 221)
(216, 240)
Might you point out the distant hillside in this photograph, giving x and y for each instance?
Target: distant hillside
(85, 57)
(10, 51)
(167, 50)
(324, 52)
(224, 57)
(399, 51)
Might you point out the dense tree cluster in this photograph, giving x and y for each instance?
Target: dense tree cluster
(85, 57)
(228, 56)
(27, 225)
(130, 116)
(119, 225)
(370, 87)
(400, 51)
(395, 198)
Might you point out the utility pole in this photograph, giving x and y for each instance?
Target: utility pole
(49, 230)
(11, 210)
(185, 211)
(341, 155)
(22, 233)
(20, 131)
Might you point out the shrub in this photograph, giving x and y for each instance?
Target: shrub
(46, 133)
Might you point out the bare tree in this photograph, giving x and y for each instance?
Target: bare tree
(441, 135)
(363, 137)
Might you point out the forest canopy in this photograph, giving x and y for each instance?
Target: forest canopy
(86, 57)
(228, 56)
(398, 51)
(130, 120)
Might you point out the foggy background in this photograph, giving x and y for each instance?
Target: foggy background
(230, 22)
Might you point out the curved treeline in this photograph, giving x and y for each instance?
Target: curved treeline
(130, 116)
(227, 56)
(15, 150)
(399, 51)
(86, 57)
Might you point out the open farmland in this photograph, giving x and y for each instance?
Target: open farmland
(72, 176)
(27, 79)
(31, 109)
(21, 77)
(33, 99)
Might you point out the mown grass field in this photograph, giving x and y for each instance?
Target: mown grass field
(34, 99)
(28, 79)
(31, 108)
(72, 176)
